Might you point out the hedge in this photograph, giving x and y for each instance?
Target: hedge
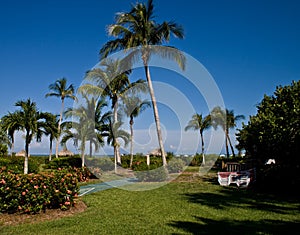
(33, 193)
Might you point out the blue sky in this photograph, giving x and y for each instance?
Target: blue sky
(248, 47)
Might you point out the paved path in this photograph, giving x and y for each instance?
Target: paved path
(92, 188)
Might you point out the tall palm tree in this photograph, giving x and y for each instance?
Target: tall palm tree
(137, 28)
(132, 107)
(50, 129)
(11, 125)
(30, 121)
(114, 83)
(198, 122)
(227, 120)
(61, 90)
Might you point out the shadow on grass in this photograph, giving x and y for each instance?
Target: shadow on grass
(234, 197)
(209, 226)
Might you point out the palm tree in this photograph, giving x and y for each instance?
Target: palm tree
(61, 90)
(138, 29)
(91, 125)
(114, 83)
(30, 121)
(11, 125)
(200, 123)
(50, 129)
(4, 138)
(227, 120)
(132, 107)
(115, 133)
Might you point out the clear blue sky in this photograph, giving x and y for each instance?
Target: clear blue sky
(249, 47)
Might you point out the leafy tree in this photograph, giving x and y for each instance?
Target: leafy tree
(227, 120)
(137, 28)
(274, 132)
(61, 90)
(31, 122)
(4, 140)
(132, 107)
(198, 122)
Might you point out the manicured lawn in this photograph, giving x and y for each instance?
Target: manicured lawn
(189, 205)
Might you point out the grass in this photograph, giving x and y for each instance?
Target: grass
(188, 205)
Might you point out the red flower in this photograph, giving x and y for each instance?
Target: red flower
(23, 193)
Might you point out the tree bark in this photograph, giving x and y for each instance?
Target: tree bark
(230, 144)
(131, 141)
(156, 115)
(26, 153)
(202, 145)
(50, 151)
(58, 128)
(117, 152)
(226, 143)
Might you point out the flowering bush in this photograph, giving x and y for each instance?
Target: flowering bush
(36, 192)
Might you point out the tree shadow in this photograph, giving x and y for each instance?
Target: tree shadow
(232, 227)
(233, 197)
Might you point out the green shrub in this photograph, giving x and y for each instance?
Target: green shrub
(33, 193)
(64, 162)
(3, 150)
(16, 164)
(175, 165)
(155, 175)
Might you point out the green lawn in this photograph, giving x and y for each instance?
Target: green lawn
(193, 206)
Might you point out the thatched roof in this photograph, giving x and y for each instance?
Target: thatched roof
(156, 152)
(65, 152)
(21, 153)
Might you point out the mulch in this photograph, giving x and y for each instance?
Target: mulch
(50, 214)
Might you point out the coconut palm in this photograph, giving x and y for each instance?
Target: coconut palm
(114, 83)
(50, 128)
(132, 107)
(88, 124)
(31, 122)
(137, 28)
(10, 123)
(115, 133)
(198, 122)
(61, 90)
(227, 120)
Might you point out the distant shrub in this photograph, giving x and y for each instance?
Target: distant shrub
(3, 150)
(175, 165)
(156, 175)
(104, 163)
(63, 162)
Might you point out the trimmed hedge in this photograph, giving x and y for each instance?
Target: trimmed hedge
(16, 164)
(33, 193)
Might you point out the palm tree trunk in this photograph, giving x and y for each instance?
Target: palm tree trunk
(115, 156)
(226, 143)
(12, 146)
(58, 128)
(131, 141)
(91, 148)
(117, 152)
(26, 153)
(202, 145)
(156, 116)
(82, 154)
(50, 151)
(230, 144)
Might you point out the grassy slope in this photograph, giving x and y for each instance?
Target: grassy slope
(197, 207)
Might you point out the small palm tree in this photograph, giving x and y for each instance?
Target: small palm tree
(137, 28)
(50, 129)
(200, 123)
(11, 125)
(132, 107)
(61, 90)
(115, 133)
(31, 122)
(113, 83)
(227, 120)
